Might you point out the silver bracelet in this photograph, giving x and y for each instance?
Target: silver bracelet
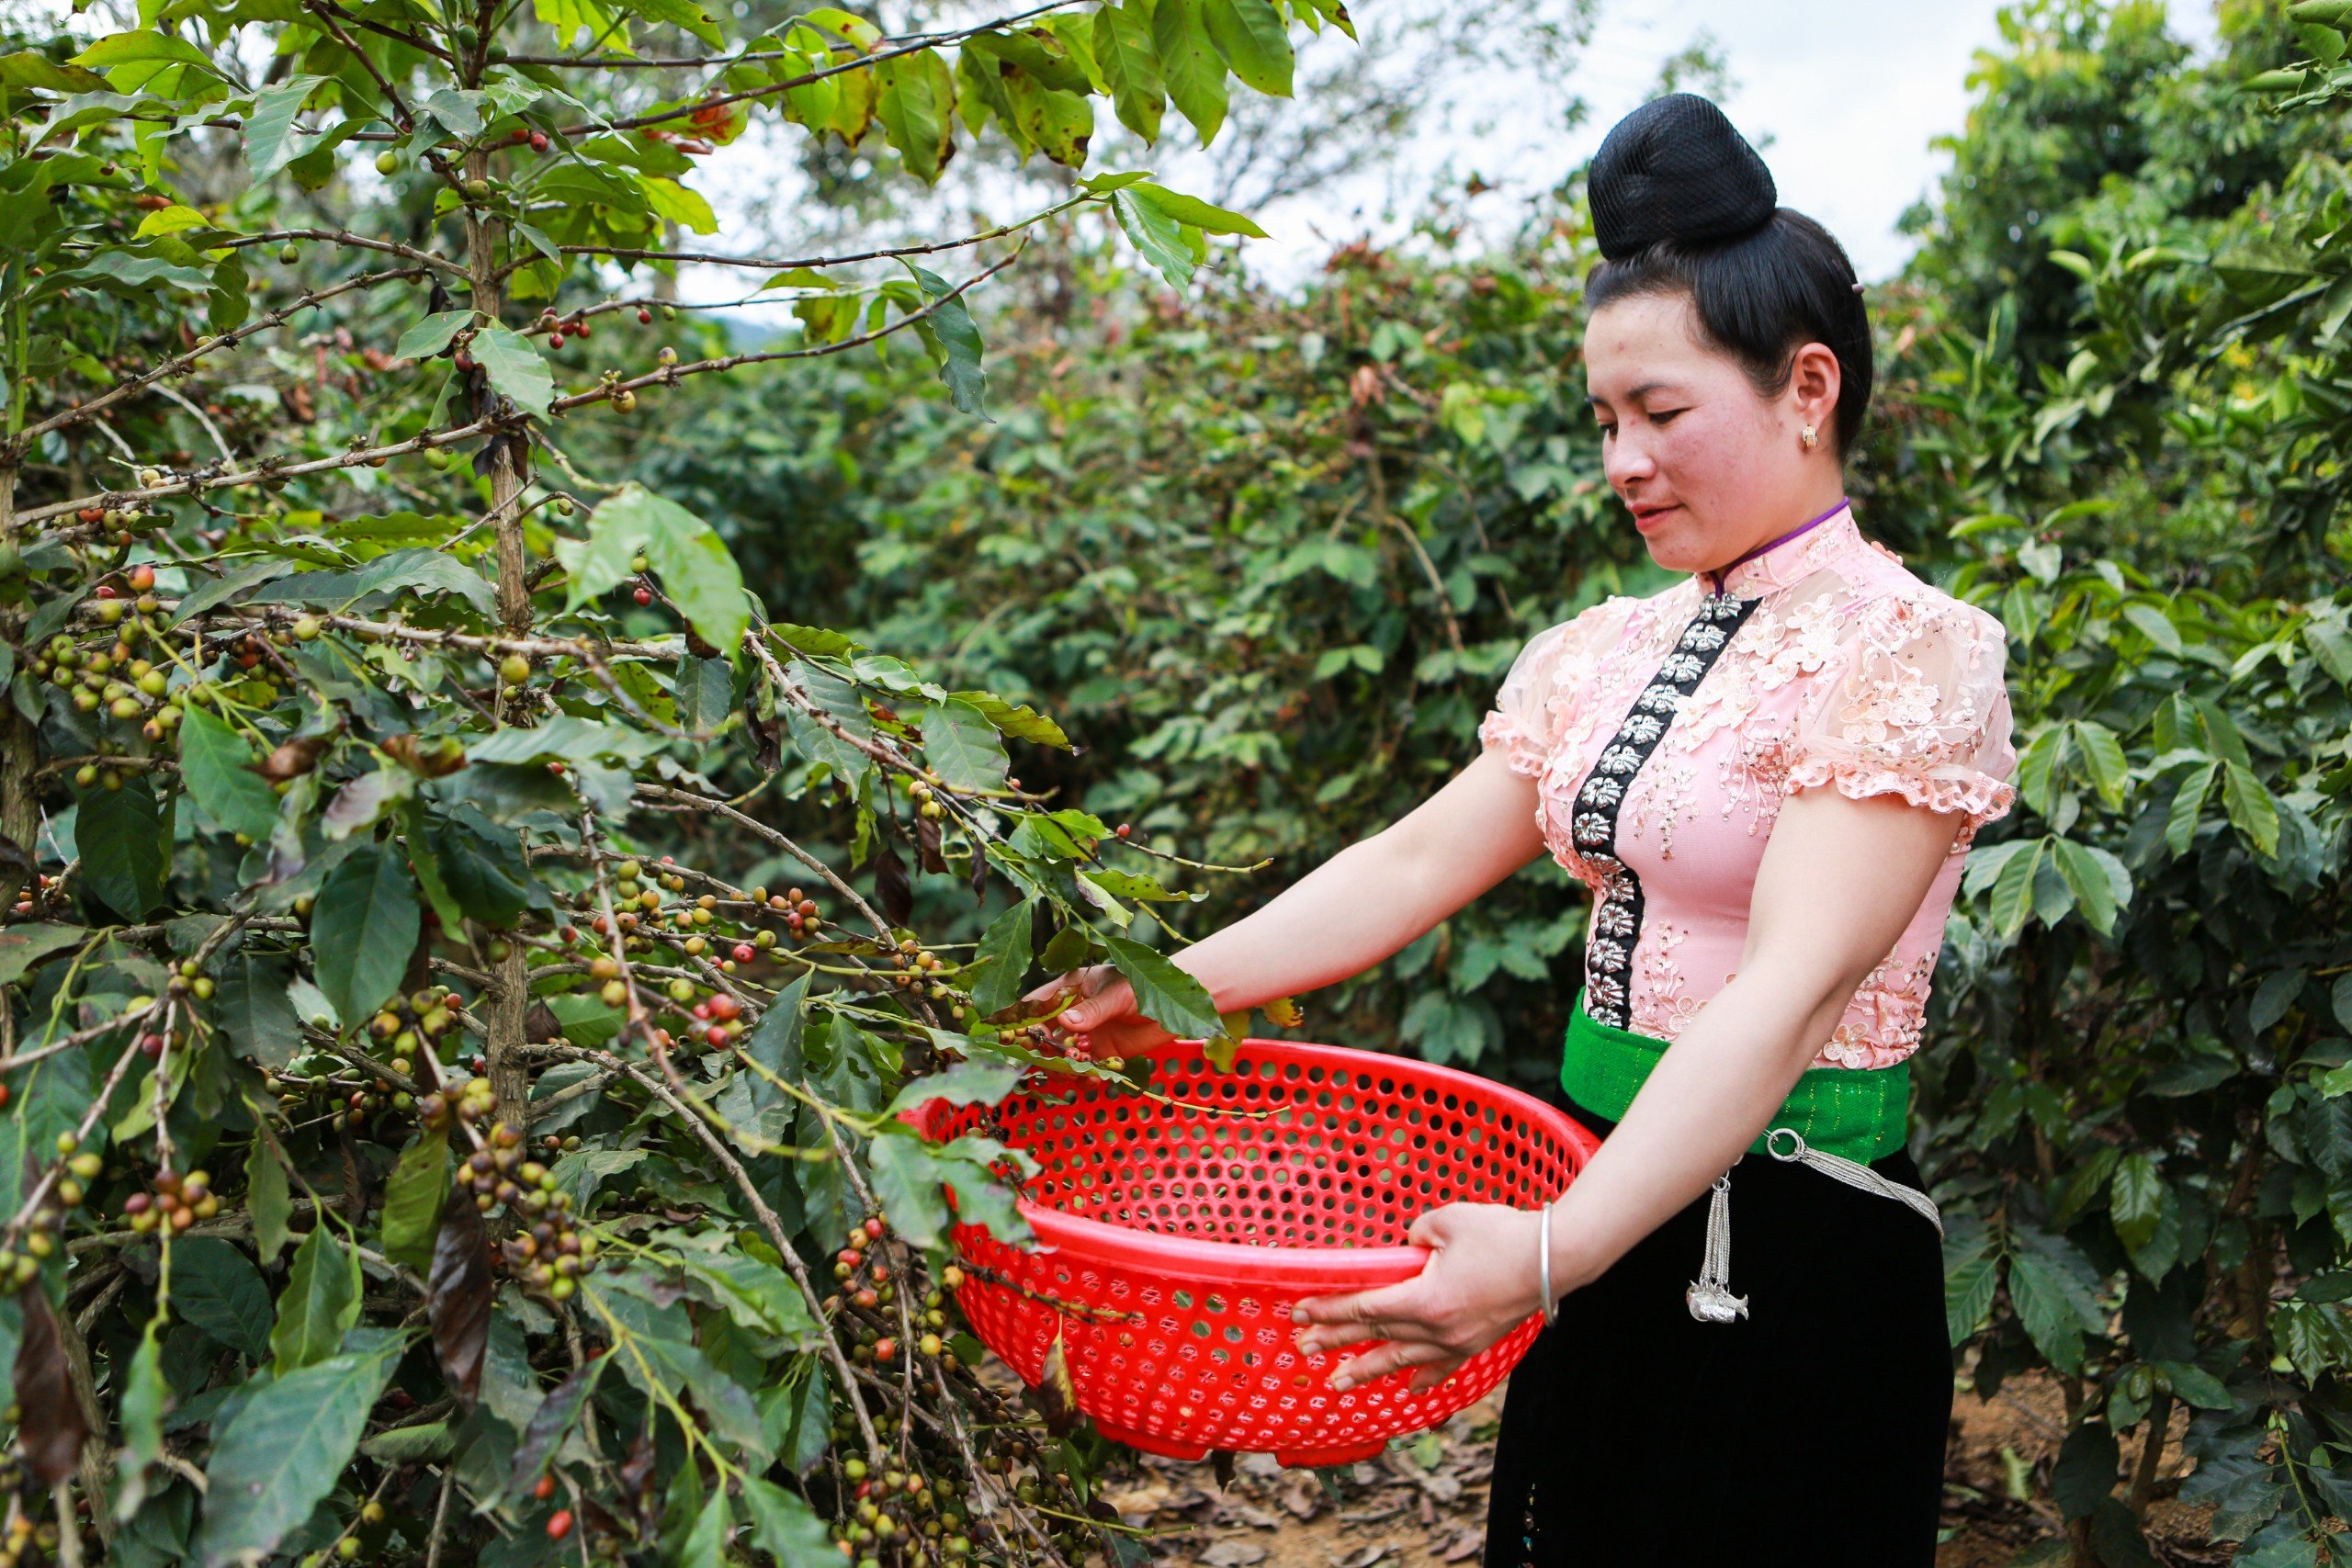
(1543, 1263)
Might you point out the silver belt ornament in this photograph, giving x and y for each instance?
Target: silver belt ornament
(1709, 1297)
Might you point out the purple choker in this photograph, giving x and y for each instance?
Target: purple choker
(1718, 579)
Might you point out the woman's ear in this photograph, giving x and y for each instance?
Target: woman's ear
(1815, 380)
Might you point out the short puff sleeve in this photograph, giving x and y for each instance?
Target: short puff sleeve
(1531, 706)
(1917, 704)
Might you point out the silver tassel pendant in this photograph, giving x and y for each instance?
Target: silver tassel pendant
(1710, 1296)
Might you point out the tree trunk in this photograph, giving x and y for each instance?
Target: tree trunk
(509, 995)
(19, 757)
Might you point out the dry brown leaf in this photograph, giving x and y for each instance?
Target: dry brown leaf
(458, 1294)
(52, 1427)
(1233, 1554)
(1055, 1389)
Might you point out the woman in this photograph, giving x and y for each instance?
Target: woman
(1769, 775)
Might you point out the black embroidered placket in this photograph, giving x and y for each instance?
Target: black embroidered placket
(1617, 917)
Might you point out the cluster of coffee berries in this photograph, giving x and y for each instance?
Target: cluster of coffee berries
(917, 1510)
(552, 1253)
(125, 523)
(473, 1103)
(111, 673)
(173, 1203)
(923, 1515)
(867, 1288)
(39, 888)
(801, 916)
(718, 1018)
(26, 1543)
(624, 398)
(409, 1024)
(19, 1267)
(558, 329)
(916, 969)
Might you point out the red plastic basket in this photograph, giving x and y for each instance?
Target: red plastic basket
(1174, 1233)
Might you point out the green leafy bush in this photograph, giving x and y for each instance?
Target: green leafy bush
(460, 984)
(1266, 556)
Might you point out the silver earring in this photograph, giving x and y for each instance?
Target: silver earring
(1810, 436)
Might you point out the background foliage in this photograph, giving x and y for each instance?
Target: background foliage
(1263, 557)
(398, 1160)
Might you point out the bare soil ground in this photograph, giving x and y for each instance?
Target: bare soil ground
(1424, 1505)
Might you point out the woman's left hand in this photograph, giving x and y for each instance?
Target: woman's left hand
(1480, 1282)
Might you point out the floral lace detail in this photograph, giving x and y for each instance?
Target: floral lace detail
(1522, 750)
(1665, 1006)
(1544, 687)
(1665, 734)
(1883, 1023)
(1917, 707)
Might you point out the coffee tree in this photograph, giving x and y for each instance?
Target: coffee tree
(2138, 1091)
(459, 993)
(1238, 547)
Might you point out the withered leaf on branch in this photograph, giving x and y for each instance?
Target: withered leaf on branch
(927, 846)
(766, 734)
(891, 889)
(556, 1416)
(434, 756)
(51, 1428)
(1056, 1392)
(458, 1294)
(294, 759)
(486, 460)
(638, 1465)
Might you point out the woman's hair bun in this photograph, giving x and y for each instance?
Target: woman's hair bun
(1675, 169)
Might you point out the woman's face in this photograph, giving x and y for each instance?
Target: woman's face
(1707, 467)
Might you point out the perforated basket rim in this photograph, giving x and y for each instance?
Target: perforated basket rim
(1334, 1268)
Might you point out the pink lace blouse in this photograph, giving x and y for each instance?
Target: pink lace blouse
(1663, 733)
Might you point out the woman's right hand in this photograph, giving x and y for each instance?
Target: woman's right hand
(1105, 1022)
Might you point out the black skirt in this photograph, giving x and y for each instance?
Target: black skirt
(1810, 1431)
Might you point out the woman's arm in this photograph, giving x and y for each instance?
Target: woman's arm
(1372, 898)
(1838, 882)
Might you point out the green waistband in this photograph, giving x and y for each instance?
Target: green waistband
(1857, 1113)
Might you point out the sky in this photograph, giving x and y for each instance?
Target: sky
(1843, 98)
